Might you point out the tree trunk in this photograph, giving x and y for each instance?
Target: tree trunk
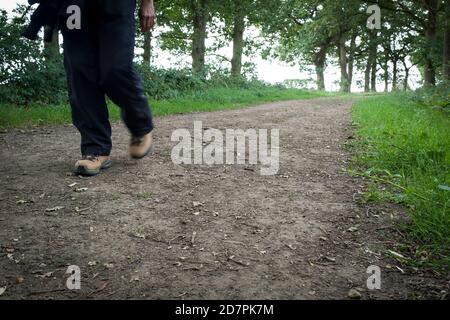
(373, 77)
(351, 60)
(238, 39)
(319, 62)
(431, 36)
(385, 66)
(147, 56)
(345, 85)
(367, 75)
(200, 20)
(386, 78)
(405, 81)
(370, 60)
(51, 49)
(395, 75)
(446, 62)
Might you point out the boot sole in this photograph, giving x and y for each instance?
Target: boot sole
(149, 152)
(83, 171)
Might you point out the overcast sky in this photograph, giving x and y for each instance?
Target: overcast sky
(271, 71)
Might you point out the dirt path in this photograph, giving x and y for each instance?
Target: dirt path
(280, 237)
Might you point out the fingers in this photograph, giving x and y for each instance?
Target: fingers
(143, 24)
(147, 22)
(152, 22)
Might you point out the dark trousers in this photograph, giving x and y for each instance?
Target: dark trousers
(99, 61)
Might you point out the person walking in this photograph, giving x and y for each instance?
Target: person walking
(98, 58)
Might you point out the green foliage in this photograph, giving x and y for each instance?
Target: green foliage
(26, 75)
(437, 97)
(404, 144)
(44, 84)
(168, 83)
(162, 84)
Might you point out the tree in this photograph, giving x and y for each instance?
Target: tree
(29, 71)
(147, 46)
(184, 24)
(346, 23)
(52, 48)
(392, 41)
(424, 15)
(446, 54)
(297, 34)
(200, 17)
(239, 15)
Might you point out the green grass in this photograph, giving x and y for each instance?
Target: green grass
(145, 195)
(199, 101)
(404, 148)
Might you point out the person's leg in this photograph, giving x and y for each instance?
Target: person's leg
(119, 79)
(87, 98)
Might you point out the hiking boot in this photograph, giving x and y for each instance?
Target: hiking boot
(141, 146)
(92, 165)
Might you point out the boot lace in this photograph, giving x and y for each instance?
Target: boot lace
(91, 158)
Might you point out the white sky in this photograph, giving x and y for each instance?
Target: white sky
(272, 71)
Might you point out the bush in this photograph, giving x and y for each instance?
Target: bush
(437, 97)
(26, 76)
(161, 84)
(44, 85)
(168, 83)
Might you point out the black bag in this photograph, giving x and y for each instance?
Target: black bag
(46, 14)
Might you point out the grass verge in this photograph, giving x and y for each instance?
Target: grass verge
(405, 146)
(197, 101)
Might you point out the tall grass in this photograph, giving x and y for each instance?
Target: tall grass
(405, 144)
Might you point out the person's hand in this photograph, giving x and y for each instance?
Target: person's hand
(147, 15)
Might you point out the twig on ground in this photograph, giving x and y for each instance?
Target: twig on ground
(102, 287)
(194, 234)
(35, 293)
